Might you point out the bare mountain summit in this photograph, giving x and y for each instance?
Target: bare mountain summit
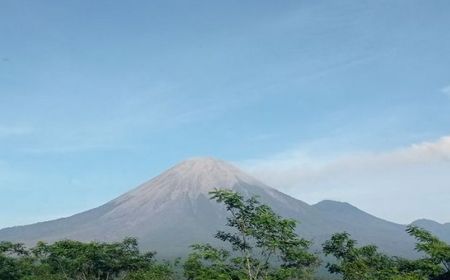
(191, 178)
(173, 211)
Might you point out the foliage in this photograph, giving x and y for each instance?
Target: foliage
(265, 246)
(207, 262)
(14, 261)
(154, 272)
(437, 260)
(92, 260)
(70, 259)
(366, 263)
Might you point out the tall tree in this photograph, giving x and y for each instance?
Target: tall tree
(366, 262)
(264, 245)
(437, 259)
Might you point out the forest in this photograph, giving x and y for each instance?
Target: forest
(259, 245)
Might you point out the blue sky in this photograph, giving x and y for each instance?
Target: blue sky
(98, 96)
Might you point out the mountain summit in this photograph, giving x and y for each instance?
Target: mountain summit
(173, 210)
(191, 178)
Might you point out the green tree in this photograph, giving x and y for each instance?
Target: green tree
(207, 262)
(13, 259)
(437, 261)
(94, 260)
(74, 260)
(366, 263)
(153, 272)
(264, 245)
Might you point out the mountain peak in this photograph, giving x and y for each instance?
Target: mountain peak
(202, 160)
(202, 164)
(208, 173)
(333, 204)
(190, 179)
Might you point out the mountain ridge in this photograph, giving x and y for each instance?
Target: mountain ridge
(172, 211)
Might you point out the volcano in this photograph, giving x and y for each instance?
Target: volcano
(173, 211)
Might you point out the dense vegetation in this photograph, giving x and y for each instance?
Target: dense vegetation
(262, 245)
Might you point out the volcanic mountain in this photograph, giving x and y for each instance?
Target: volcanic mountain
(173, 210)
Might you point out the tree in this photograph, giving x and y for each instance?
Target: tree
(209, 263)
(12, 260)
(437, 262)
(74, 260)
(153, 272)
(366, 263)
(93, 260)
(264, 245)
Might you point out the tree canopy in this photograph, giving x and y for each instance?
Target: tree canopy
(263, 245)
(367, 263)
(68, 259)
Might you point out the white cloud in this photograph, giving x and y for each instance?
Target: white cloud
(400, 185)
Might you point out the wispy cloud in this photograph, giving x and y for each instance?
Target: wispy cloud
(402, 184)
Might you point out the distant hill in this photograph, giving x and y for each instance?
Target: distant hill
(173, 210)
(441, 230)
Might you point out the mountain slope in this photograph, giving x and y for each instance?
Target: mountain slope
(365, 228)
(167, 213)
(173, 210)
(441, 230)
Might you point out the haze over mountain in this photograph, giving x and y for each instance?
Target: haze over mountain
(173, 210)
